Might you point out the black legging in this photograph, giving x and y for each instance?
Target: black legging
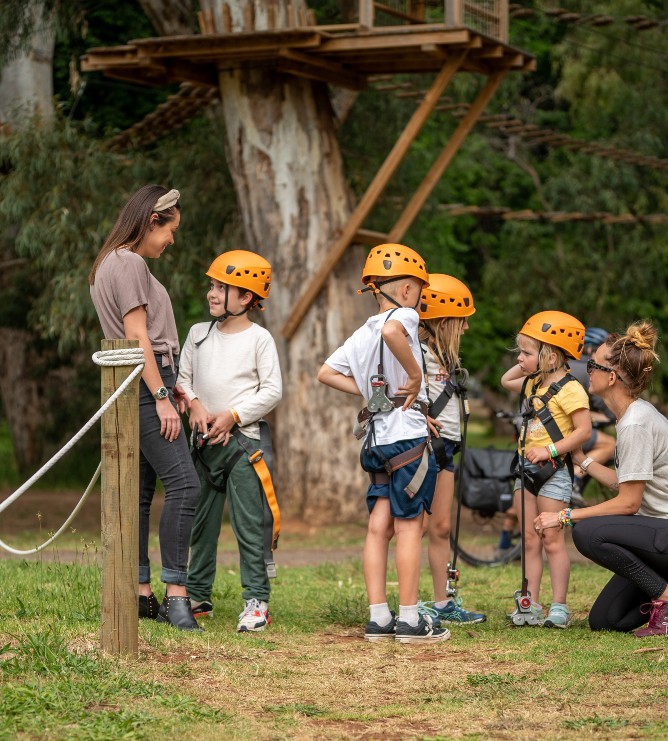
(636, 549)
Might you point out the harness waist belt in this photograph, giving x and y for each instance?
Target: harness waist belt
(403, 459)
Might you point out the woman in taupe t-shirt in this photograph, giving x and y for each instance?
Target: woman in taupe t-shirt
(133, 305)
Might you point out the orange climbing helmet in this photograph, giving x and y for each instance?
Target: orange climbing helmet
(558, 329)
(394, 261)
(445, 297)
(244, 269)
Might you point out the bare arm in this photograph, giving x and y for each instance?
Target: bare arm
(338, 381)
(513, 379)
(394, 334)
(627, 502)
(135, 326)
(580, 434)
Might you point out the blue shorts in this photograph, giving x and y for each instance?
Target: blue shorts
(401, 505)
(445, 456)
(559, 486)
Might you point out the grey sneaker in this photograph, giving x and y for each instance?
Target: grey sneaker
(424, 632)
(374, 632)
(558, 616)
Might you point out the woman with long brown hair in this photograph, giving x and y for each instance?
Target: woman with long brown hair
(627, 534)
(132, 304)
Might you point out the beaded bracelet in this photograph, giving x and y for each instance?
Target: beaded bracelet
(565, 518)
(552, 450)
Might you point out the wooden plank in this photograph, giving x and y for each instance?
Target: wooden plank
(388, 10)
(445, 158)
(120, 510)
(316, 68)
(368, 200)
(370, 237)
(394, 41)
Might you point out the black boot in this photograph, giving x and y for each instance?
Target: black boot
(148, 606)
(177, 612)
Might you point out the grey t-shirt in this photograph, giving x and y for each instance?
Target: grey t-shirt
(122, 283)
(642, 455)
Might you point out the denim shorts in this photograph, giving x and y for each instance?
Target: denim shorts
(559, 486)
(401, 505)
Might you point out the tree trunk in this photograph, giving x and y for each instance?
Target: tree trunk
(288, 173)
(26, 83)
(169, 17)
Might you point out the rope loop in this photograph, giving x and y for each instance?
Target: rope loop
(121, 357)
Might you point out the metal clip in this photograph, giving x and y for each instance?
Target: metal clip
(379, 401)
(271, 569)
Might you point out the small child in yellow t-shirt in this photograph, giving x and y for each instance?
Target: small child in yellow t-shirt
(543, 346)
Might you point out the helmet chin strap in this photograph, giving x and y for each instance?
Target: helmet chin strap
(375, 287)
(227, 314)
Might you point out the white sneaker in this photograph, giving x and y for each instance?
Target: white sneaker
(255, 616)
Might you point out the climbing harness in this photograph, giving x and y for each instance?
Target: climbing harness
(532, 482)
(262, 461)
(458, 386)
(380, 403)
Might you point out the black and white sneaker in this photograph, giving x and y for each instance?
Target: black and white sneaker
(374, 632)
(424, 632)
(202, 609)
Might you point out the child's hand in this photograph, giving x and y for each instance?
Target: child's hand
(220, 425)
(410, 390)
(181, 398)
(434, 427)
(537, 455)
(198, 415)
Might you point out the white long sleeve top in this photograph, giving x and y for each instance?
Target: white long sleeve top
(238, 370)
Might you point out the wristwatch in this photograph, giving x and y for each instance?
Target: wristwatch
(161, 393)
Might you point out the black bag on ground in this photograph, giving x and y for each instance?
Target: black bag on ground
(486, 479)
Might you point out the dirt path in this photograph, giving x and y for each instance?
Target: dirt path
(301, 544)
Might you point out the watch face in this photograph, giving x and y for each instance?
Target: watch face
(161, 393)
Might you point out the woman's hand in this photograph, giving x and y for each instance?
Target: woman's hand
(170, 422)
(537, 455)
(546, 520)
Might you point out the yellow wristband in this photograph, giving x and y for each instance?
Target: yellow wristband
(235, 415)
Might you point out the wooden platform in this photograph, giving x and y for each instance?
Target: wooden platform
(316, 52)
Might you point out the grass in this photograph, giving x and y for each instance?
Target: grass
(310, 675)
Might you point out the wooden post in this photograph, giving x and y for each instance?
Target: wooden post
(445, 158)
(120, 509)
(365, 14)
(382, 177)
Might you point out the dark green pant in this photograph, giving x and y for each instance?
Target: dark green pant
(245, 504)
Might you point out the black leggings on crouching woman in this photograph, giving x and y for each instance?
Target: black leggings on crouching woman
(635, 548)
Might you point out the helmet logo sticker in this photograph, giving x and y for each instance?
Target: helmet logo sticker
(387, 264)
(229, 269)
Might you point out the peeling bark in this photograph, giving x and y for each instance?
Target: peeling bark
(288, 173)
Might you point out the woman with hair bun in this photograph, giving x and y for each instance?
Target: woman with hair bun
(627, 534)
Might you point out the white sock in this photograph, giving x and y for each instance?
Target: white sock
(380, 614)
(443, 603)
(409, 614)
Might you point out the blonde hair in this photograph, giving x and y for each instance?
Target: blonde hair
(634, 355)
(544, 352)
(444, 342)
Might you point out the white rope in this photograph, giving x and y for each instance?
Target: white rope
(126, 356)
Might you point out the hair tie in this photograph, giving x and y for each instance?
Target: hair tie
(167, 201)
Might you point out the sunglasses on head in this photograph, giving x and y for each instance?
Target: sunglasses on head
(592, 366)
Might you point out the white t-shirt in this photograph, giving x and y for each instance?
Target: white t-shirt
(359, 357)
(237, 370)
(449, 416)
(642, 455)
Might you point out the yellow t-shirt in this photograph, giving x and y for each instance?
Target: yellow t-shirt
(570, 398)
